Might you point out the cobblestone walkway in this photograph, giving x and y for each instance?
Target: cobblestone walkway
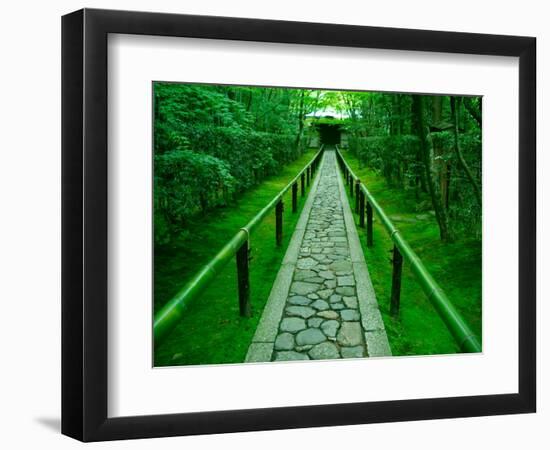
(320, 316)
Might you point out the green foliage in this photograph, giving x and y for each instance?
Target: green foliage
(186, 182)
(393, 156)
(383, 137)
(464, 211)
(213, 142)
(251, 155)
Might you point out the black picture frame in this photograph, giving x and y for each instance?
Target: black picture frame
(84, 224)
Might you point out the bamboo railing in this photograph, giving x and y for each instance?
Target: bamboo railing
(170, 314)
(365, 203)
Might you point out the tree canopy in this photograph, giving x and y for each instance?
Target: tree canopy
(428, 143)
(212, 142)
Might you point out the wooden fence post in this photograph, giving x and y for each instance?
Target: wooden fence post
(303, 182)
(279, 223)
(243, 279)
(361, 209)
(350, 186)
(369, 225)
(357, 195)
(397, 262)
(308, 175)
(295, 197)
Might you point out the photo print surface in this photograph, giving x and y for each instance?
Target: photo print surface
(309, 224)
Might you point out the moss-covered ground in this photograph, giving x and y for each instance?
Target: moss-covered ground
(212, 332)
(456, 266)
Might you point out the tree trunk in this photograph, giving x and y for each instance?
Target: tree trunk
(249, 101)
(426, 150)
(420, 178)
(440, 163)
(473, 110)
(446, 193)
(455, 109)
(399, 131)
(300, 122)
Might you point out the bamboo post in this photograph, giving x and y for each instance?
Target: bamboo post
(369, 225)
(243, 279)
(303, 183)
(397, 262)
(279, 223)
(295, 197)
(361, 209)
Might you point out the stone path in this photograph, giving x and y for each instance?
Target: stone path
(323, 305)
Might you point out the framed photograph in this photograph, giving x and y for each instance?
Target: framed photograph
(273, 224)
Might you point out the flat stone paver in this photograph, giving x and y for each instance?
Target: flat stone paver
(292, 325)
(326, 307)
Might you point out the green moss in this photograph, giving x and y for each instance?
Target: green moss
(455, 266)
(212, 332)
